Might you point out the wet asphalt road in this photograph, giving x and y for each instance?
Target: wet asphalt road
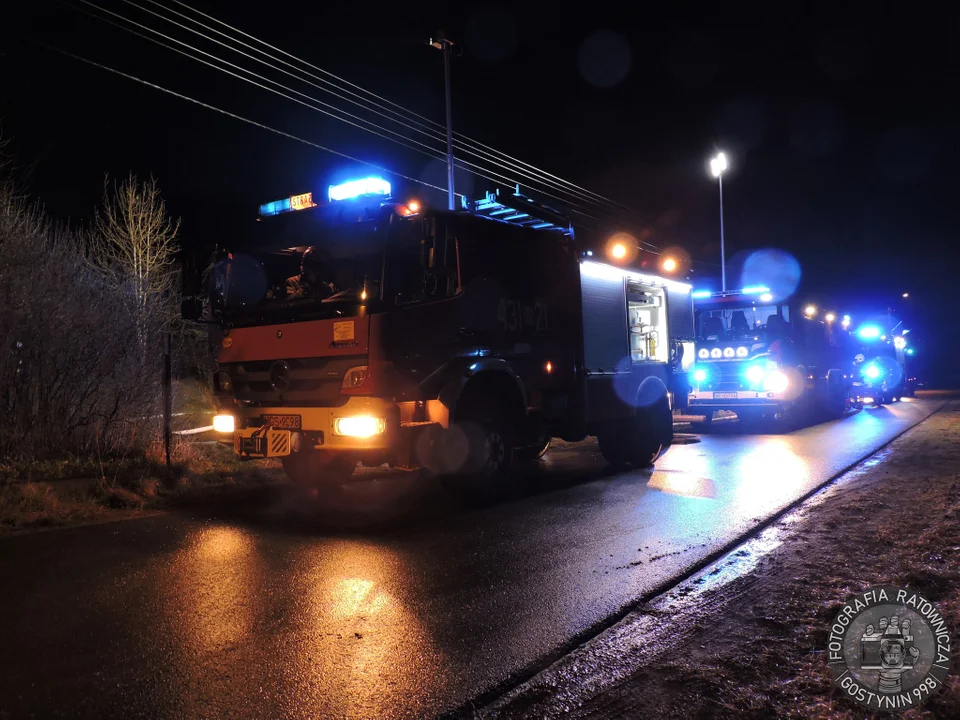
(396, 603)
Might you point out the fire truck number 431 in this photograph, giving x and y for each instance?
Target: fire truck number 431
(517, 316)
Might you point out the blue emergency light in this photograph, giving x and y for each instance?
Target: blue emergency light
(700, 294)
(289, 204)
(869, 332)
(755, 290)
(363, 187)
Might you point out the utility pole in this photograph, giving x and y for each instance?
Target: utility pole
(446, 46)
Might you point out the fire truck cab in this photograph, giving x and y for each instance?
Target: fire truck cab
(764, 358)
(452, 341)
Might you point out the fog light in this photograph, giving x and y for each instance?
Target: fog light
(359, 426)
(223, 423)
(776, 382)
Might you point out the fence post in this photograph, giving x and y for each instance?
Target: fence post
(167, 400)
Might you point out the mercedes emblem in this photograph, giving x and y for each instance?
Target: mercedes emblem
(280, 376)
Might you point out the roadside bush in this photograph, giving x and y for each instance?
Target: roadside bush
(81, 359)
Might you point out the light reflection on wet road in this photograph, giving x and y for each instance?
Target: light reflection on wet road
(269, 609)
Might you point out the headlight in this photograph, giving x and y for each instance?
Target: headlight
(776, 382)
(755, 374)
(703, 353)
(223, 423)
(359, 426)
(700, 375)
(728, 352)
(742, 351)
(354, 377)
(716, 353)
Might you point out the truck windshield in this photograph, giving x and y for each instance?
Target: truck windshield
(302, 269)
(739, 322)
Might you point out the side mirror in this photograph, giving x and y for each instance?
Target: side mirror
(190, 308)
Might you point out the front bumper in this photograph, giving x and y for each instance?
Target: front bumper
(738, 399)
(259, 433)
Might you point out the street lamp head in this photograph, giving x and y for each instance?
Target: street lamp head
(718, 165)
(906, 295)
(669, 265)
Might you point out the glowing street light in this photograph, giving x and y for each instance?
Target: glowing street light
(669, 265)
(810, 310)
(717, 166)
(906, 295)
(618, 251)
(830, 317)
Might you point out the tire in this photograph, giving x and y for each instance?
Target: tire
(640, 440)
(613, 446)
(654, 433)
(311, 469)
(490, 455)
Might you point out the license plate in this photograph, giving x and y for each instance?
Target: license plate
(724, 396)
(288, 422)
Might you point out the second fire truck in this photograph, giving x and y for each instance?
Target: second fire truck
(768, 359)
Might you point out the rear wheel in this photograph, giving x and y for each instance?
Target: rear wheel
(640, 440)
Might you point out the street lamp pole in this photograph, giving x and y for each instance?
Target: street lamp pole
(446, 46)
(723, 249)
(717, 166)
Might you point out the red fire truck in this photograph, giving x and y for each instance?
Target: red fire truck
(457, 342)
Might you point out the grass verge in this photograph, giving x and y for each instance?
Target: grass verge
(79, 490)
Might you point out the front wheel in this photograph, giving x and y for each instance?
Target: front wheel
(489, 436)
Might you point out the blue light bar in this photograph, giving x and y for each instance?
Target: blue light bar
(276, 207)
(699, 294)
(359, 188)
(869, 332)
(294, 202)
(755, 290)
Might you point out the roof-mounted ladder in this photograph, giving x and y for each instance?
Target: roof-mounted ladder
(517, 209)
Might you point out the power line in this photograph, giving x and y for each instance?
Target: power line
(260, 125)
(380, 110)
(229, 114)
(381, 100)
(464, 165)
(403, 140)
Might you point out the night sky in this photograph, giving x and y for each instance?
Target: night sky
(841, 128)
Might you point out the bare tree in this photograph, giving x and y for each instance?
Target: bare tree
(136, 241)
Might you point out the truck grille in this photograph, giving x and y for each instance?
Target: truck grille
(303, 381)
(725, 376)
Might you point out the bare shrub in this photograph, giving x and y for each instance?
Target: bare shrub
(81, 335)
